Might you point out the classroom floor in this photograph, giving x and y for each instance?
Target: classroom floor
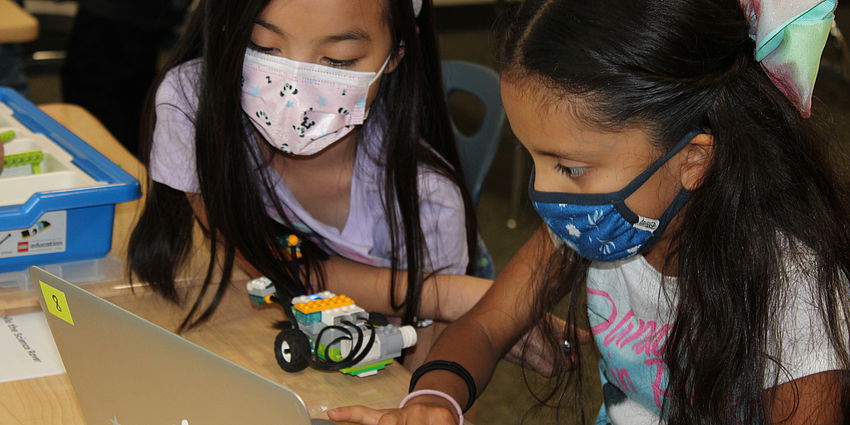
(465, 34)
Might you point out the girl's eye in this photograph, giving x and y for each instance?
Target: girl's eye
(570, 171)
(261, 49)
(339, 63)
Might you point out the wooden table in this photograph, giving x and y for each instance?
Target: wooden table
(237, 332)
(16, 25)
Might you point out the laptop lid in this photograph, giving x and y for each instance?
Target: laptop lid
(128, 371)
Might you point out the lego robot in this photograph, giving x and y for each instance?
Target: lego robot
(330, 332)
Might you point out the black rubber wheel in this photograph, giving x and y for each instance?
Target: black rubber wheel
(292, 350)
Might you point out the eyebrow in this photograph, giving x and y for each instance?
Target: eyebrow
(269, 26)
(566, 154)
(355, 34)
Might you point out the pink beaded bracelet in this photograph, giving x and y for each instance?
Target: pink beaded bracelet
(438, 394)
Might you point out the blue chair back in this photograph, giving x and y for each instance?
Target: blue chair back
(476, 151)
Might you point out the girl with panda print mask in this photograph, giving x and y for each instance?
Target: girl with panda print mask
(320, 118)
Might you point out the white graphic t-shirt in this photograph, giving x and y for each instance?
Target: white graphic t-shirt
(630, 317)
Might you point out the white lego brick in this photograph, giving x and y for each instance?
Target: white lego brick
(329, 316)
(258, 285)
(301, 299)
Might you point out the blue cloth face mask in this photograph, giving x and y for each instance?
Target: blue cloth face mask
(600, 227)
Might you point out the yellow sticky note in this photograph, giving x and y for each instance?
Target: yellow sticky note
(56, 303)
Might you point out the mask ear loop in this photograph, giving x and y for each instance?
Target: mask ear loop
(675, 206)
(378, 75)
(381, 70)
(644, 176)
(677, 202)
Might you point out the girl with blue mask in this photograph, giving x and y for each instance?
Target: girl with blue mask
(320, 118)
(601, 227)
(692, 219)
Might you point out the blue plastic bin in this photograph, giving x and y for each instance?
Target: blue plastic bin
(79, 213)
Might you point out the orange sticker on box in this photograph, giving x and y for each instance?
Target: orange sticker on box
(56, 302)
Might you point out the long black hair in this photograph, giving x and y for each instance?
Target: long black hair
(233, 194)
(770, 202)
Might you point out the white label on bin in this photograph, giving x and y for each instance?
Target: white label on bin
(46, 236)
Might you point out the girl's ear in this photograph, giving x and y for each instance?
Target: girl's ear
(398, 57)
(396, 60)
(698, 156)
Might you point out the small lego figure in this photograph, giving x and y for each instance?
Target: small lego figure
(293, 242)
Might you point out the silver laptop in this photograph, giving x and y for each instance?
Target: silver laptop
(128, 371)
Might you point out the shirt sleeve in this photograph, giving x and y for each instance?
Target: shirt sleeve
(172, 160)
(443, 221)
(803, 342)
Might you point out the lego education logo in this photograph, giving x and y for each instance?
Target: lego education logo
(47, 235)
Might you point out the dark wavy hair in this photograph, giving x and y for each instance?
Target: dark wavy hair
(415, 110)
(770, 199)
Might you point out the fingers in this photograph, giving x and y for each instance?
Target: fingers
(533, 352)
(532, 356)
(540, 364)
(411, 415)
(560, 327)
(356, 414)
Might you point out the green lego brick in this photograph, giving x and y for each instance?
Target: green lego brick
(367, 368)
(333, 353)
(32, 158)
(7, 136)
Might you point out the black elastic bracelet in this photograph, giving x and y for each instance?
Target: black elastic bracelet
(451, 367)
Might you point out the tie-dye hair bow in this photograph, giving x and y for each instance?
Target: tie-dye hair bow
(790, 36)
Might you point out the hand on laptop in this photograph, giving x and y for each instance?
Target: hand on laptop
(423, 410)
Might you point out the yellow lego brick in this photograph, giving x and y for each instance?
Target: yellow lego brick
(326, 304)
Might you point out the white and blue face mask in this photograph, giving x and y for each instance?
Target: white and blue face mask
(600, 227)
